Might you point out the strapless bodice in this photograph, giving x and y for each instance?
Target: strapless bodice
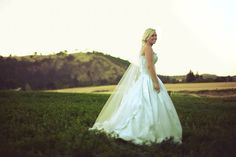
(143, 62)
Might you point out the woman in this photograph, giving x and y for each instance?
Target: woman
(140, 109)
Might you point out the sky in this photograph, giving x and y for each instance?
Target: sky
(197, 35)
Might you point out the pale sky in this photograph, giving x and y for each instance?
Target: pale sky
(195, 34)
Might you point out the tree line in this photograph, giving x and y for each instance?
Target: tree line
(191, 77)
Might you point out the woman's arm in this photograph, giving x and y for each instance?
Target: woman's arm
(150, 67)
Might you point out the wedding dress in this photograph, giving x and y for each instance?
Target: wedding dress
(142, 116)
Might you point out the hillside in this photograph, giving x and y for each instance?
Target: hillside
(60, 70)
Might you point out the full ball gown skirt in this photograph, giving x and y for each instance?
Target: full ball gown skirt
(144, 116)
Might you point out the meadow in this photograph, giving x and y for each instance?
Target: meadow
(175, 87)
(55, 124)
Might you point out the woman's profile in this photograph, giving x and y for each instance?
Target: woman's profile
(140, 110)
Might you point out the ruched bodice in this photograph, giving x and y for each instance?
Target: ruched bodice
(143, 63)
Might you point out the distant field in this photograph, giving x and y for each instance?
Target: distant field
(201, 86)
(170, 87)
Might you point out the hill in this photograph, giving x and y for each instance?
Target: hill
(211, 76)
(60, 70)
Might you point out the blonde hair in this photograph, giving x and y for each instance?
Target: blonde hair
(146, 35)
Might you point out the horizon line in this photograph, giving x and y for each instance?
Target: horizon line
(40, 53)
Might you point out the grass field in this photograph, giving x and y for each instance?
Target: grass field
(170, 87)
(47, 124)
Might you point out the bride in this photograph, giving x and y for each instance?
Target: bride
(140, 110)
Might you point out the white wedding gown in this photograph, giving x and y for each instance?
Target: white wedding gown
(144, 116)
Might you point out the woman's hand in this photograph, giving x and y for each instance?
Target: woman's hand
(156, 86)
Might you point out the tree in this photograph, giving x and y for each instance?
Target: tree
(62, 53)
(190, 77)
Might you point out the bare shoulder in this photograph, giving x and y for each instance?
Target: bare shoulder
(148, 50)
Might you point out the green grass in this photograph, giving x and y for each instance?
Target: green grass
(38, 124)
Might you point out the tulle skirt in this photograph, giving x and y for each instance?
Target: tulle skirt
(144, 116)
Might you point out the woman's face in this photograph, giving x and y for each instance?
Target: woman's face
(152, 39)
